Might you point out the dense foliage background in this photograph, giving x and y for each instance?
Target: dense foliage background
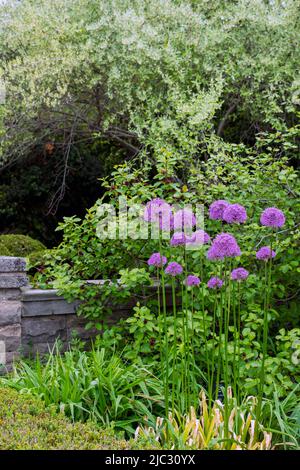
(91, 83)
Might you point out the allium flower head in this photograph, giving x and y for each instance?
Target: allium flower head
(235, 214)
(265, 253)
(156, 259)
(224, 246)
(272, 217)
(183, 219)
(215, 283)
(213, 254)
(198, 238)
(178, 238)
(152, 209)
(159, 211)
(192, 280)
(239, 274)
(217, 208)
(173, 269)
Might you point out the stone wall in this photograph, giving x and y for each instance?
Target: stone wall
(31, 320)
(12, 279)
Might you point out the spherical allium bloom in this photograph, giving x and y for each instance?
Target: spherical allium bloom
(215, 283)
(178, 238)
(239, 274)
(235, 214)
(166, 221)
(217, 208)
(183, 219)
(173, 269)
(224, 246)
(198, 238)
(159, 211)
(272, 217)
(152, 209)
(213, 254)
(265, 253)
(192, 280)
(156, 259)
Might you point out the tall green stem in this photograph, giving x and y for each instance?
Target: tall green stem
(159, 320)
(187, 351)
(194, 384)
(204, 322)
(235, 340)
(183, 363)
(226, 331)
(220, 354)
(239, 339)
(268, 272)
(213, 352)
(166, 349)
(174, 371)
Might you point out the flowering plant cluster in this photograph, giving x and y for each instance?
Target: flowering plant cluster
(224, 252)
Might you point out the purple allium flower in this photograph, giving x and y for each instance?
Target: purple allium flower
(235, 214)
(173, 269)
(159, 211)
(156, 259)
(192, 280)
(217, 208)
(265, 253)
(272, 217)
(183, 219)
(213, 255)
(166, 221)
(223, 246)
(198, 238)
(215, 283)
(178, 238)
(152, 209)
(239, 274)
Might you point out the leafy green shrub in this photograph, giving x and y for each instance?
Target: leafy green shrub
(221, 85)
(3, 250)
(19, 245)
(27, 425)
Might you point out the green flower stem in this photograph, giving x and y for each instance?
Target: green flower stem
(226, 330)
(159, 320)
(213, 353)
(174, 371)
(235, 340)
(268, 277)
(220, 339)
(184, 362)
(194, 387)
(204, 323)
(187, 351)
(239, 339)
(166, 349)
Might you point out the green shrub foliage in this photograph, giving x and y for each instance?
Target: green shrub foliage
(19, 245)
(27, 425)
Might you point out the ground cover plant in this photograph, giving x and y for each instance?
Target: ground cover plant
(27, 425)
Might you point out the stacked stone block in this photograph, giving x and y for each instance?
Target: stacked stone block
(12, 279)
